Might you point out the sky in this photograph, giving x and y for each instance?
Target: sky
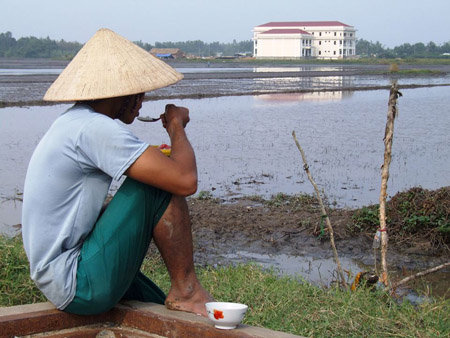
(391, 22)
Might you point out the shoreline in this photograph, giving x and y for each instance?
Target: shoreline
(28, 103)
(35, 85)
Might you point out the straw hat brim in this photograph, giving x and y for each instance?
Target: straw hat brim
(108, 66)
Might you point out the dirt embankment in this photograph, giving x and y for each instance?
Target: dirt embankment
(37, 83)
(293, 226)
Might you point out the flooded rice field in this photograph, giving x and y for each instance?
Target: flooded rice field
(244, 144)
(241, 126)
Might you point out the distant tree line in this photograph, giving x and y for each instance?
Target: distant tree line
(406, 50)
(32, 47)
(204, 49)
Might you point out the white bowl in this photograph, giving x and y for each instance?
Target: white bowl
(225, 315)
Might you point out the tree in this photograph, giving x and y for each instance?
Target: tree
(432, 48)
(370, 49)
(7, 42)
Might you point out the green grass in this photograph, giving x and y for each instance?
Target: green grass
(16, 287)
(289, 305)
(279, 303)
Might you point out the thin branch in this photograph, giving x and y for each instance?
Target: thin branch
(324, 213)
(419, 274)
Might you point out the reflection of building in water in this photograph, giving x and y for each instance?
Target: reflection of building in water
(317, 39)
(318, 83)
(295, 97)
(297, 69)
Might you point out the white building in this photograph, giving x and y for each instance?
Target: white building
(317, 39)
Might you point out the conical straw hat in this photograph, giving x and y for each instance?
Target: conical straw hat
(109, 65)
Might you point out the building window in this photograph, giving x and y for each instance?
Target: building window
(340, 42)
(320, 33)
(340, 51)
(345, 34)
(335, 42)
(320, 53)
(320, 42)
(335, 33)
(351, 34)
(334, 52)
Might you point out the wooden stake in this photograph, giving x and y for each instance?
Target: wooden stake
(324, 214)
(388, 138)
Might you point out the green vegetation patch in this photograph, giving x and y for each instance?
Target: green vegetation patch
(413, 215)
(16, 287)
(296, 202)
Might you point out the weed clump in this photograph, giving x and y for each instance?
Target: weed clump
(413, 216)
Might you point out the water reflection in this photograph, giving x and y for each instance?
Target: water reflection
(295, 97)
(316, 270)
(305, 83)
(50, 71)
(214, 69)
(297, 69)
(187, 70)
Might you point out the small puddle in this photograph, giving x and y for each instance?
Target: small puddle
(318, 271)
(322, 272)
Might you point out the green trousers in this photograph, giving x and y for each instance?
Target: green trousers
(111, 256)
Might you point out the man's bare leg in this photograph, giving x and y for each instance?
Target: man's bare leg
(173, 238)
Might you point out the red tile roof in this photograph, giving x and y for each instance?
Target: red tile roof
(285, 31)
(304, 24)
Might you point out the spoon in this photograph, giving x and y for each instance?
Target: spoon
(148, 118)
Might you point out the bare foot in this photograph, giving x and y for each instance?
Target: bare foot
(191, 301)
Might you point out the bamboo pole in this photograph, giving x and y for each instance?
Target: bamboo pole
(324, 213)
(388, 139)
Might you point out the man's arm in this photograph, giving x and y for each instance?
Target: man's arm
(176, 174)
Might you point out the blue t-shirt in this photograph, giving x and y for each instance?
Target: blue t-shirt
(66, 184)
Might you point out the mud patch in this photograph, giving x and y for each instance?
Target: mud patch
(287, 237)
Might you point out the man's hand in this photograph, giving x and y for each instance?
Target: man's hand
(174, 114)
(177, 173)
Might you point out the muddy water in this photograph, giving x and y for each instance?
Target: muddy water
(245, 147)
(244, 144)
(321, 271)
